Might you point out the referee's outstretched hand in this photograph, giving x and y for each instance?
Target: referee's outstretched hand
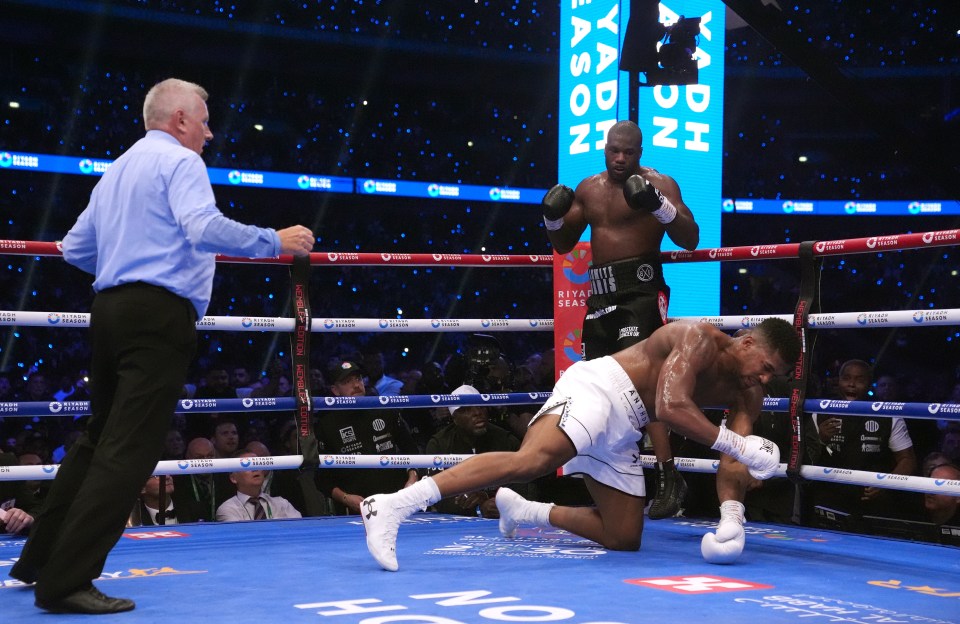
(296, 239)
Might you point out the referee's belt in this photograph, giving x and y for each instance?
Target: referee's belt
(642, 272)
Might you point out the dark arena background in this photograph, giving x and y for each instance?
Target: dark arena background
(393, 127)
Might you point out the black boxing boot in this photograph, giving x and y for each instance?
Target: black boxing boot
(671, 492)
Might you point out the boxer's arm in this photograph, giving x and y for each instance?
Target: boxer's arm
(733, 477)
(692, 353)
(567, 235)
(683, 229)
(745, 411)
(759, 455)
(676, 383)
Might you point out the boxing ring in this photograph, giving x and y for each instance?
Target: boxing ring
(318, 569)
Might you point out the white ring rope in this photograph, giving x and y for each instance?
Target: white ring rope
(686, 464)
(938, 411)
(280, 404)
(319, 325)
(839, 320)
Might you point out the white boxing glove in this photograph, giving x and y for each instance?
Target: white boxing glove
(760, 455)
(726, 545)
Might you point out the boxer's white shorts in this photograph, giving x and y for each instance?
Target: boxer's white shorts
(602, 414)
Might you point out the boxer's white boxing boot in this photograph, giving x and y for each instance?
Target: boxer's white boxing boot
(383, 513)
(515, 510)
(726, 545)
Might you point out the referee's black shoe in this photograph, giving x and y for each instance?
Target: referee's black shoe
(89, 600)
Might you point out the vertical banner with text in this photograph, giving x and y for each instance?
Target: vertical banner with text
(682, 137)
(571, 286)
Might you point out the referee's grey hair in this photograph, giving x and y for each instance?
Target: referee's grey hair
(165, 97)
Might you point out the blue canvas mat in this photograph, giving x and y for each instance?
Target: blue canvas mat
(455, 570)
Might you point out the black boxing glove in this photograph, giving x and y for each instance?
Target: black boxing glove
(644, 197)
(555, 204)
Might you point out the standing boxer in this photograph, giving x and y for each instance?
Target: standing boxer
(629, 208)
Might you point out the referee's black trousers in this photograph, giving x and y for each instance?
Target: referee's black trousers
(143, 339)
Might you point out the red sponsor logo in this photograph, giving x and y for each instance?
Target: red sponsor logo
(697, 584)
(145, 535)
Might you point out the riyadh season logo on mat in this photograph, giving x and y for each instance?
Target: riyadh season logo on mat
(697, 584)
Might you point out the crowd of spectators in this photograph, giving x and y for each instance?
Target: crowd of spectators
(473, 119)
(456, 128)
(286, 122)
(529, 27)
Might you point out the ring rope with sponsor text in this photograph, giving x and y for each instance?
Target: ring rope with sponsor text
(326, 325)
(838, 320)
(869, 244)
(686, 464)
(44, 248)
(886, 409)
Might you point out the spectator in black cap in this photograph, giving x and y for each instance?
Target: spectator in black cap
(359, 432)
(345, 378)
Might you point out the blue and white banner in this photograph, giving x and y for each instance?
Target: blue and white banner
(839, 208)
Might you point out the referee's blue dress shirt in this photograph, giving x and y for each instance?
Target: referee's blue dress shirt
(152, 218)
